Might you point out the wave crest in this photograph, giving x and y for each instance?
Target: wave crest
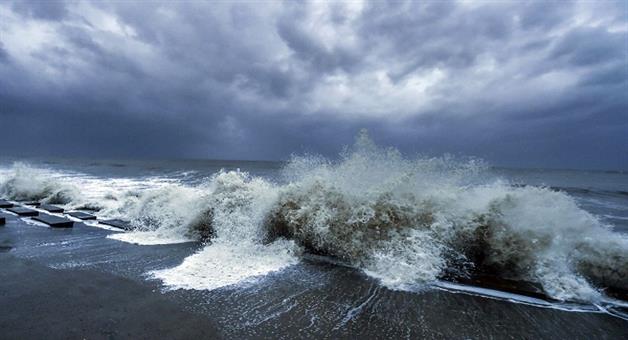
(411, 221)
(405, 221)
(25, 183)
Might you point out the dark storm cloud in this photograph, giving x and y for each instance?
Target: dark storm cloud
(312, 52)
(45, 10)
(4, 56)
(588, 46)
(521, 83)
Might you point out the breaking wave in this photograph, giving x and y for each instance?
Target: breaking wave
(404, 221)
(409, 221)
(234, 219)
(25, 183)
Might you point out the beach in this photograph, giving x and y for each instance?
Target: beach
(76, 283)
(313, 169)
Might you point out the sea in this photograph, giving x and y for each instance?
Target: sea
(549, 238)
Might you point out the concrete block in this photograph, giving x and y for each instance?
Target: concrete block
(22, 211)
(5, 204)
(51, 208)
(117, 223)
(54, 221)
(81, 215)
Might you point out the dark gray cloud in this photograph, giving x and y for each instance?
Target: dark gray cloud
(517, 83)
(41, 9)
(4, 56)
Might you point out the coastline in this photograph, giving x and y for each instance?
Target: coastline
(43, 303)
(108, 296)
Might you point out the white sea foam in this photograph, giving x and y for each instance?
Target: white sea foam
(407, 221)
(404, 221)
(239, 204)
(223, 264)
(23, 182)
(152, 237)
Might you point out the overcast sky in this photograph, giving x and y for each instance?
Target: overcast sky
(517, 83)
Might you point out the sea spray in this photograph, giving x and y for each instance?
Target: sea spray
(25, 183)
(405, 221)
(238, 205)
(412, 221)
(168, 214)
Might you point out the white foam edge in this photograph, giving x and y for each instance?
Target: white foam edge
(514, 297)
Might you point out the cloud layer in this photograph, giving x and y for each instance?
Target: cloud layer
(521, 83)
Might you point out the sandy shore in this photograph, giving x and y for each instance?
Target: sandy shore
(76, 283)
(43, 303)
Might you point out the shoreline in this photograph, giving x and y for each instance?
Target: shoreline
(76, 283)
(44, 303)
(79, 303)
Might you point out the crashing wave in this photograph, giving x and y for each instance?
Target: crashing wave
(235, 212)
(414, 221)
(406, 222)
(25, 183)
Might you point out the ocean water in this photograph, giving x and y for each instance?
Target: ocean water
(410, 222)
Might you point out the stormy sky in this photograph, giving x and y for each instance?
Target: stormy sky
(532, 84)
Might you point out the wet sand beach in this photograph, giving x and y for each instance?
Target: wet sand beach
(76, 283)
